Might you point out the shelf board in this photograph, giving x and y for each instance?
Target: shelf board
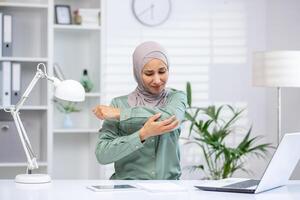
(92, 94)
(31, 108)
(24, 59)
(76, 130)
(21, 164)
(23, 5)
(76, 27)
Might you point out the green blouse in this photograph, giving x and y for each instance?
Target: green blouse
(157, 157)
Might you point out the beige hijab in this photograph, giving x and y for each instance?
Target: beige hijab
(143, 54)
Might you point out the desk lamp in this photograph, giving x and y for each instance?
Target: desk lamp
(277, 69)
(68, 90)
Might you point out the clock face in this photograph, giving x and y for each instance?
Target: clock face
(151, 12)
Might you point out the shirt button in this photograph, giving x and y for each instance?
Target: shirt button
(152, 173)
(136, 147)
(152, 140)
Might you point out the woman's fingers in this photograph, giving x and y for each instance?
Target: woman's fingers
(153, 128)
(97, 111)
(94, 110)
(171, 126)
(98, 115)
(154, 117)
(106, 112)
(168, 121)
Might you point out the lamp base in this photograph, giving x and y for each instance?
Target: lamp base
(33, 178)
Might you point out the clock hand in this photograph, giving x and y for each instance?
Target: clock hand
(152, 9)
(144, 11)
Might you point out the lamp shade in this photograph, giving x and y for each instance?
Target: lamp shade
(276, 69)
(69, 90)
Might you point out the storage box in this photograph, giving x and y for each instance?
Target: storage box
(89, 17)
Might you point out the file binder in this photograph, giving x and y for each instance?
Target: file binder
(15, 83)
(6, 83)
(1, 27)
(7, 35)
(1, 85)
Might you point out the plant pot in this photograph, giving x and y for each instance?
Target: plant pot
(67, 123)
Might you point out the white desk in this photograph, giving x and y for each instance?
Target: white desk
(76, 190)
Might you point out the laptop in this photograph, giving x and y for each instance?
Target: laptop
(277, 173)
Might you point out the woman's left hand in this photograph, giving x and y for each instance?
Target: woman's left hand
(106, 112)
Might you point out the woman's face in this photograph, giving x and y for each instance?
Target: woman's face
(155, 75)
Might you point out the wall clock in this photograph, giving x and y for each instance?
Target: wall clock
(151, 12)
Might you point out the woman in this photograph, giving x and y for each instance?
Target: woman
(141, 130)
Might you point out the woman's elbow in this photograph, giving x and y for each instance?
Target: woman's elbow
(102, 158)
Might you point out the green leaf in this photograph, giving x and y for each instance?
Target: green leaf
(235, 116)
(218, 113)
(209, 133)
(66, 107)
(189, 94)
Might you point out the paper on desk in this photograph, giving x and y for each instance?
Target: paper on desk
(161, 187)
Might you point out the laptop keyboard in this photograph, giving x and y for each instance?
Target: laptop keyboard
(243, 184)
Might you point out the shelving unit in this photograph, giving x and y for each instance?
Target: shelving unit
(76, 27)
(24, 59)
(31, 108)
(30, 35)
(23, 5)
(63, 153)
(92, 94)
(77, 47)
(22, 164)
(84, 131)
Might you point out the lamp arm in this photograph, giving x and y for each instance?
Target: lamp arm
(31, 158)
(14, 111)
(39, 75)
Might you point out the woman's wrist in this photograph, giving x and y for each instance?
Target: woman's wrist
(117, 114)
(142, 135)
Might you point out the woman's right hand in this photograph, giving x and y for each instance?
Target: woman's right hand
(153, 127)
(106, 112)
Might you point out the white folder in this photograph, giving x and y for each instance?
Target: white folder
(16, 83)
(1, 42)
(1, 84)
(6, 82)
(7, 35)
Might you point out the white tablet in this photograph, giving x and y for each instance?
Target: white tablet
(103, 188)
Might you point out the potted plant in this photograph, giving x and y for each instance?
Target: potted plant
(66, 108)
(208, 130)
